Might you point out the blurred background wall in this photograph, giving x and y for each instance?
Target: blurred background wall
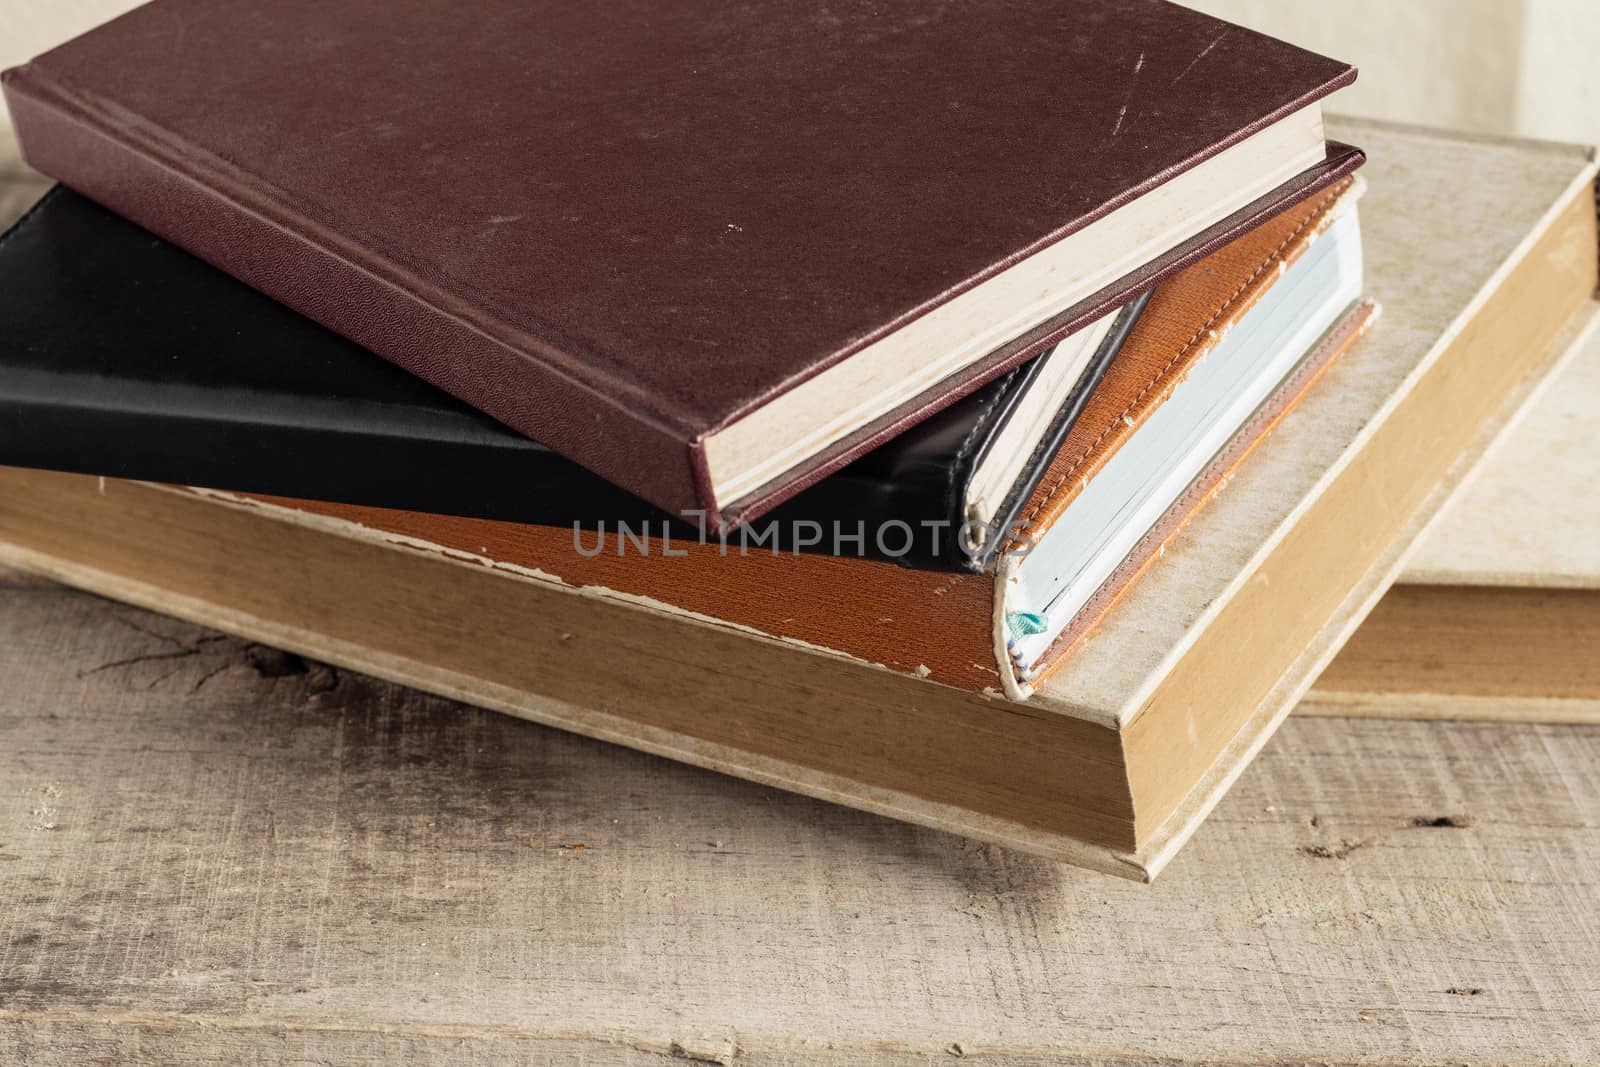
(1528, 67)
(1525, 67)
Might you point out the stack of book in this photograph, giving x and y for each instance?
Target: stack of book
(824, 396)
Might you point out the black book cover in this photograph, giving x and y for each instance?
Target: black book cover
(124, 356)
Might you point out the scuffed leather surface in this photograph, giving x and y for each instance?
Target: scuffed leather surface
(1037, 464)
(647, 212)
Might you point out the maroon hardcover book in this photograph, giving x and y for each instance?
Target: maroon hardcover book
(711, 251)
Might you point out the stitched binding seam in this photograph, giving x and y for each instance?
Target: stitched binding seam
(958, 467)
(1199, 335)
(1218, 473)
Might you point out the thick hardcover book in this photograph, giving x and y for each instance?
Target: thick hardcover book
(123, 355)
(1118, 756)
(710, 255)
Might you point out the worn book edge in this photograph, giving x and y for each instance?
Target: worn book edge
(1578, 188)
(1165, 843)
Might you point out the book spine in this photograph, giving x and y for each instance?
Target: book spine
(212, 211)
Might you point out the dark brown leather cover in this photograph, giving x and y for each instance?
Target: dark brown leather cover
(619, 228)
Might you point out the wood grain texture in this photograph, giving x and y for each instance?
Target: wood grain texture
(214, 853)
(1477, 641)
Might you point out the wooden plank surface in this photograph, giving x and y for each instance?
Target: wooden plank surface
(211, 852)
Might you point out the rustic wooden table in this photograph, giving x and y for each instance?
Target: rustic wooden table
(213, 852)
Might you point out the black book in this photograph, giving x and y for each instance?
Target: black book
(124, 356)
